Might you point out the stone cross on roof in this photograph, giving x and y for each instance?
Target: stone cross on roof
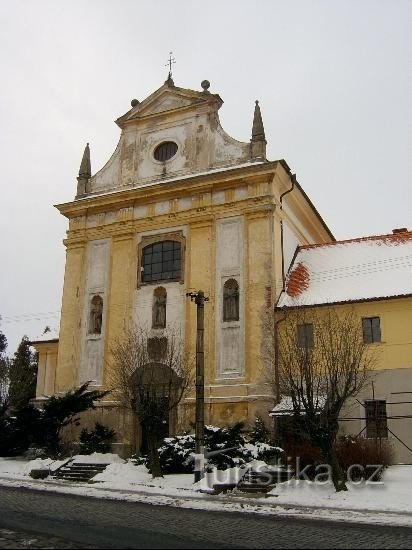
(170, 61)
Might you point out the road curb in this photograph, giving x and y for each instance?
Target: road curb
(226, 499)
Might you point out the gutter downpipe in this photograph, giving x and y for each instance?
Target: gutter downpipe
(278, 321)
(293, 180)
(277, 384)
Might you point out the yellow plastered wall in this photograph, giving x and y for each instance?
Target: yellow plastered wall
(71, 315)
(395, 349)
(258, 279)
(396, 330)
(47, 366)
(200, 276)
(122, 280)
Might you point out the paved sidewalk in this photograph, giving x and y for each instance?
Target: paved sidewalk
(228, 502)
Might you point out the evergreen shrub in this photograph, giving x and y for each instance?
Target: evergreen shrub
(98, 440)
(177, 453)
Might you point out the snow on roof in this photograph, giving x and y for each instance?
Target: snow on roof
(353, 270)
(285, 406)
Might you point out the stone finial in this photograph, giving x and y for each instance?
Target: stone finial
(85, 168)
(258, 131)
(258, 140)
(205, 85)
(134, 102)
(85, 172)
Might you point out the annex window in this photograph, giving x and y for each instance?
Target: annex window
(161, 261)
(231, 300)
(305, 335)
(159, 308)
(376, 418)
(96, 315)
(165, 151)
(371, 329)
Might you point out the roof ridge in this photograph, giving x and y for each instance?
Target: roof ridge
(403, 236)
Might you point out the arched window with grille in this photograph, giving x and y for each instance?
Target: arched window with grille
(161, 261)
(96, 315)
(159, 308)
(231, 300)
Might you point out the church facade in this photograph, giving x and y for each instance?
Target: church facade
(179, 207)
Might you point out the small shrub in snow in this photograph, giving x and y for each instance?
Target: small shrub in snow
(259, 433)
(302, 455)
(352, 450)
(98, 440)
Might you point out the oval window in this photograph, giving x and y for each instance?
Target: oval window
(165, 151)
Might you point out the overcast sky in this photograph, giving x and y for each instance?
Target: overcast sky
(334, 80)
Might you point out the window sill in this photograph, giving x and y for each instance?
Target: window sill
(159, 282)
(93, 337)
(230, 324)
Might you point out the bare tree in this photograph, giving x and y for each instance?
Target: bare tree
(150, 376)
(320, 361)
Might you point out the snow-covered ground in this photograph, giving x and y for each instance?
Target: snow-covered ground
(387, 502)
(393, 494)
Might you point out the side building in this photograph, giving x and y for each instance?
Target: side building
(372, 278)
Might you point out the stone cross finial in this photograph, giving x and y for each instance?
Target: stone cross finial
(170, 62)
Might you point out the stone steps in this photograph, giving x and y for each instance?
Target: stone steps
(78, 472)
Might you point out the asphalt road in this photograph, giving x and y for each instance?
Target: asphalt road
(37, 519)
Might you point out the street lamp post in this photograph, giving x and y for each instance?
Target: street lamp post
(199, 299)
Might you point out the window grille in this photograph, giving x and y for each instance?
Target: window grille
(376, 418)
(231, 300)
(165, 151)
(161, 261)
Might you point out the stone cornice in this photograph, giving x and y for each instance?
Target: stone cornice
(252, 207)
(197, 184)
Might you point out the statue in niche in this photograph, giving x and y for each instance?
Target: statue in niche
(231, 300)
(96, 315)
(159, 308)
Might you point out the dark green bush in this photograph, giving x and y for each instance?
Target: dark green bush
(26, 426)
(177, 453)
(19, 431)
(98, 440)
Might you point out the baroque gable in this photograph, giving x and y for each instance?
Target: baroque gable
(187, 120)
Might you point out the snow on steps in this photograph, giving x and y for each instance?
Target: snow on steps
(83, 468)
(78, 471)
